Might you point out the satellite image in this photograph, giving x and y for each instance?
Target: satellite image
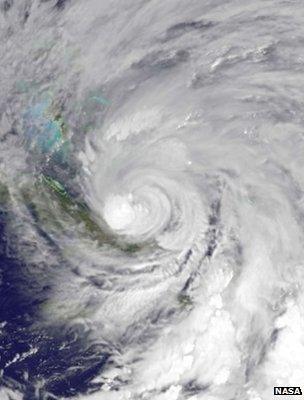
(151, 199)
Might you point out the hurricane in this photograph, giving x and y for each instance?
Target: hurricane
(151, 199)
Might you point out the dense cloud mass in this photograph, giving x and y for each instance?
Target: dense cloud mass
(151, 199)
